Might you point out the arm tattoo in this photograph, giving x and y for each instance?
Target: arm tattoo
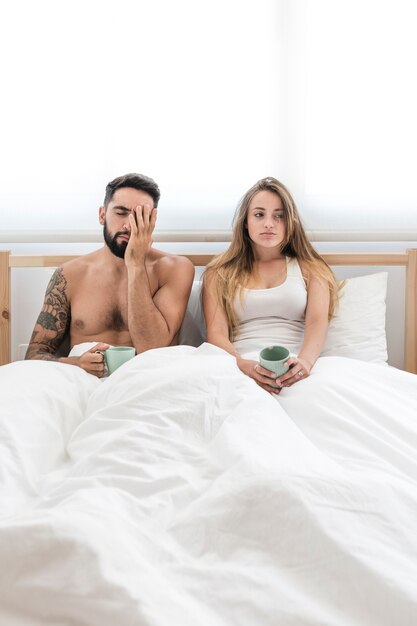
(53, 320)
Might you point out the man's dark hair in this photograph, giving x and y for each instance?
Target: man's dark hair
(136, 181)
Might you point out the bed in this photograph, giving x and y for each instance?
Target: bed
(177, 491)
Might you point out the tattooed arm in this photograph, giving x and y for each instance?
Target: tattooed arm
(53, 323)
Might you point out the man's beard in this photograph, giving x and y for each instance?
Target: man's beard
(117, 248)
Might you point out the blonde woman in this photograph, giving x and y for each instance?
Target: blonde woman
(269, 287)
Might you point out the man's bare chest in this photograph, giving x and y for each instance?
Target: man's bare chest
(99, 306)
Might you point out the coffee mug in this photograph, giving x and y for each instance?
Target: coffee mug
(115, 356)
(274, 359)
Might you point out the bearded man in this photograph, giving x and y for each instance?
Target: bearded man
(125, 294)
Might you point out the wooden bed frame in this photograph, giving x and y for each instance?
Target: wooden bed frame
(407, 260)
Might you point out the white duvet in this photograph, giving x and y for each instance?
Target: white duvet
(177, 492)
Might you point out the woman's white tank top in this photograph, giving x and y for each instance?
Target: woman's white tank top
(272, 316)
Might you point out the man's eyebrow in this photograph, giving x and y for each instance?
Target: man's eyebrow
(120, 207)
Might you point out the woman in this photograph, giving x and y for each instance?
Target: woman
(269, 287)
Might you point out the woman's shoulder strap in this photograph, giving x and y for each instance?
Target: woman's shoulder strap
(293, 267)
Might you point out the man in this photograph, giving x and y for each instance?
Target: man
(126, 293)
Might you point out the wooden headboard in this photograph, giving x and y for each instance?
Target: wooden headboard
(407, 260)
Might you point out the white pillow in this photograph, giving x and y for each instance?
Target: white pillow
(358, 328)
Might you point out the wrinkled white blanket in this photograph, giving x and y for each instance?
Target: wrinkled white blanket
(177, 492)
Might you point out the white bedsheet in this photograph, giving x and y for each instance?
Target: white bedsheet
(178, 492)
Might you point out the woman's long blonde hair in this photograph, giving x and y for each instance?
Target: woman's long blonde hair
(230, 271)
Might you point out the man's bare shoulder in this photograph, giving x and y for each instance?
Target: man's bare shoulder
(173, 261)
(81, 263)
(172, 266)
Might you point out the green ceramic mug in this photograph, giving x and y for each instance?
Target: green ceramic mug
(115, 356)
(274, 359)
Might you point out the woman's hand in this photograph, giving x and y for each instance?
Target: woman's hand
(299, 369)
(263, 377)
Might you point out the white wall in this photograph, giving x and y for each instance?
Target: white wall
(207, 98)
(351, 103)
